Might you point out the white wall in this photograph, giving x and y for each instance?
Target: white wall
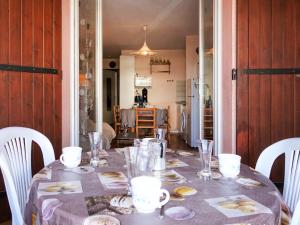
(163, 90)
(127, 72)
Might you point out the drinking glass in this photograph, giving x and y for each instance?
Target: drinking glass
(145, 161)
(131, 164)
(131, 160)
(95, 142)
(205, 150)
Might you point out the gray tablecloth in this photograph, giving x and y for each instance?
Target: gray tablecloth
(74, 210)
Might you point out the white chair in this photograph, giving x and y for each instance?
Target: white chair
(296, 217)
(291, 148)
(15, 163)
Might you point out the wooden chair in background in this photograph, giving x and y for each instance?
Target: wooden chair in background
(117, 118)
(145, 119)
(166, 125)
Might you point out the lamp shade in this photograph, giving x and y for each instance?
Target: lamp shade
(144, 50)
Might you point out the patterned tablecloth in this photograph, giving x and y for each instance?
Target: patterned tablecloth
(61, 196)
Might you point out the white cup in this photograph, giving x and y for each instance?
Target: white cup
(71, 156)
(146, 193)
(229, 165)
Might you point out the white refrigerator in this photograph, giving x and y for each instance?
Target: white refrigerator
(192, 113)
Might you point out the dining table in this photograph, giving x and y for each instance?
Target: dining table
(59, 195)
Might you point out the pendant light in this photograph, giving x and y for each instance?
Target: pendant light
(144, 50)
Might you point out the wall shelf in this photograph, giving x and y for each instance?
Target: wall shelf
(158, 65)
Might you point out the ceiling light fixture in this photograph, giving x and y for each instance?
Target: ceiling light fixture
(145, 50)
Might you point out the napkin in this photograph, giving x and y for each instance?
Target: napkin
(49, 206)
(45, 173)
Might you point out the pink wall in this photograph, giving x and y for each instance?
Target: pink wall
(228, 86)
(66, 65)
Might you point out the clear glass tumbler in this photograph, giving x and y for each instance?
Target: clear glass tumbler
(131, 160)
(95, 142)
(205, 150)
(145, 162)
(131, 164)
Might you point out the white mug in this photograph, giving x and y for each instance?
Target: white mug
(229, 165)
(146, 193)
(71, 156)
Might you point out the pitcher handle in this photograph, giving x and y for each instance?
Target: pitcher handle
(167, 194)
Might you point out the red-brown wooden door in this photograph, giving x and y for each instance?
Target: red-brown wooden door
(268, 106)
(30, 35)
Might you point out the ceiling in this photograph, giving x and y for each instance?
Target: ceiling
(169, 22)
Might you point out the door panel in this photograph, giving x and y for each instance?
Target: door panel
(267, 105)
(31, 36)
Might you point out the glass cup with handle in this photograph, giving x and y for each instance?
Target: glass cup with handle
(95, 142)
(205, 150)
(147, 193)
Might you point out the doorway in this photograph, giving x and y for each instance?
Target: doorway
(110, 94)
(201, 85)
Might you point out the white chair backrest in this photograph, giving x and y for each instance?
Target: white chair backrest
(15, 163)
(291, 148)
(296, 215)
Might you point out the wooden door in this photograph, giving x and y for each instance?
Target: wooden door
(268, 105)
(30, 35)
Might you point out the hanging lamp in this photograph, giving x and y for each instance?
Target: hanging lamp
(144, 50)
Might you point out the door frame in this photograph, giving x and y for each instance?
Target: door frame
(217, 74)
(74, 72)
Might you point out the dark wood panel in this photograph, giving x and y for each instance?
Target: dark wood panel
(48, 116)
(277, 81)
(268, 107)
(15, 86)
(27, 60)
(57, 80)
(265, 52)
(254, 80)
(259, 86)
(4, 43)
(38, 110)
(242, 82)
(4, 91)
(283, 86)
(297, 63)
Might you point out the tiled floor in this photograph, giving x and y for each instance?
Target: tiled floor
(175, 141)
